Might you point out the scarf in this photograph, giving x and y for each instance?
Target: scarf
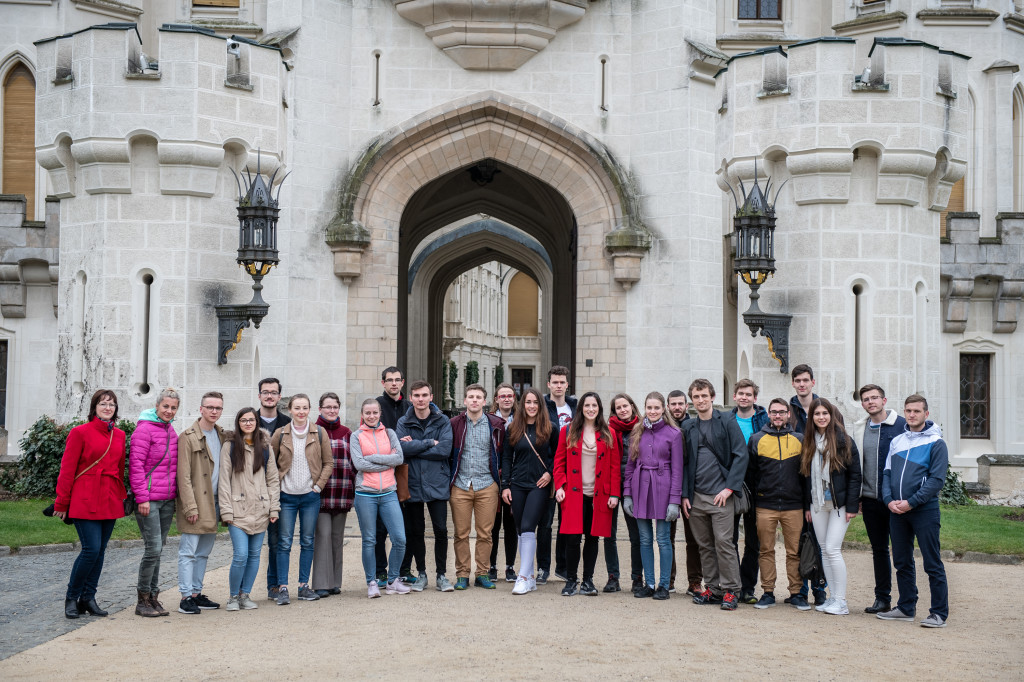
(621, 427)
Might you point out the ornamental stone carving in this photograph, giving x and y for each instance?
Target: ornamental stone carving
(495, 35)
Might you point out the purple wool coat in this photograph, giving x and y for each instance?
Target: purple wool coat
(655, 478)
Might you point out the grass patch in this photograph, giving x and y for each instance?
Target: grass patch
(22, 523)
(969, 529)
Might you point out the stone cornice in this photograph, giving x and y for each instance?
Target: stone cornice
(870, 23)
(957, 16)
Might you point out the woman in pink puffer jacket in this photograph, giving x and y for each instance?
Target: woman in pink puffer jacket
(152, 471)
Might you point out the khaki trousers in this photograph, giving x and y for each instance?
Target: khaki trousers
(465, 505)
(792, 523)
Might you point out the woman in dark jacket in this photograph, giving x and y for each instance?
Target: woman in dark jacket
(526, 464)
(91, 492)
(335, 501)
(830, 462)
(625, 416)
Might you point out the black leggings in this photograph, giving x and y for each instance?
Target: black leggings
(415, 542)
(590, 545)
(528, 507)
(504, 513)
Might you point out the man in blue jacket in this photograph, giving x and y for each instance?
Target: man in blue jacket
(915, 471)
(873, 434)
(426, 437)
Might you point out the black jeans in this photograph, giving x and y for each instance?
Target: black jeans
(273, 539)
(504, 514)
(751, 549)
(415, 535)
(528, 508)
(85, 573)
(544, 536)
(876, 522)
(590, 545)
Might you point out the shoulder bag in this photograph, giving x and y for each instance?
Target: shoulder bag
(67, 519)
(551, 487)
(741, 497)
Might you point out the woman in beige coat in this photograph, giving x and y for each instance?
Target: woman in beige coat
(248, 492)
(305, 464)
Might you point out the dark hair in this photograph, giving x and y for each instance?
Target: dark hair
(780, 401)
(260, 442)
(700, 385)
(628, 399)
(837, 445)
(916, 398)
(576, 425)
(676, 393)
(474, 387)
(97, 397)
(391, 370)
(558, 370)
(638, 430)
(870, 387)
(746, 383)
(211, 394)
(494, 402)
(330, 395)
(417, 385)
(268, 380)
(801, 369)
(542, 424)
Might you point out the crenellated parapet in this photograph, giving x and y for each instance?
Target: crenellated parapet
(194, 93)
(815, 103)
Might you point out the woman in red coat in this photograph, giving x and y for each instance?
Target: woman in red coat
(588, 478)
(90, 491)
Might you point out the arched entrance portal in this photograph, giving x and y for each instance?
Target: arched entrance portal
(573, 198)
(543, 246)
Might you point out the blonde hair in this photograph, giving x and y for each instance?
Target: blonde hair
(167, 393)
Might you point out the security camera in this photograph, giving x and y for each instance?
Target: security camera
(234, 48)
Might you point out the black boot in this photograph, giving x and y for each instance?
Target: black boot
(70, 608)
(90, 606)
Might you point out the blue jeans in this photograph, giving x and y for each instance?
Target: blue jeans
(245, 562)
(664, 532)
(369, 508)
(922, 522)
(193, 553)
(307, 509)
(85, 573)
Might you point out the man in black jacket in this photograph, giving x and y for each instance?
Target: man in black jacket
(716, 464)
(271, 419)
(393, 406)
(778, 490)
(561, 408)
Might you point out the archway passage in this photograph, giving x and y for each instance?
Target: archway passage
(515, 197)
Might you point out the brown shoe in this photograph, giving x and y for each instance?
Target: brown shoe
(143, 608)
(694, 589)
(155, 603)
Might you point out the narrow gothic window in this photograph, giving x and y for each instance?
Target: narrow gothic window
(975, 420)
(760, 9)
(3, 384)
(19, 148)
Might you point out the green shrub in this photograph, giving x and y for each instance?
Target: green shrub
(472, 372)
(499, 376)
(42, 448)
(953, 492)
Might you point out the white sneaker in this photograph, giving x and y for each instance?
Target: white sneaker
(532, 583)
(837, 607)
(522, 586)
(232, 604)
(372, 590)
(246, 603)
(824, 607)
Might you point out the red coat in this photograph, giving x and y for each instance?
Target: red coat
(99, 493)
(607, 482)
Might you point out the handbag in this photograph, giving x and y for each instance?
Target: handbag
(49, 511)
(811, 568)
(551, 486)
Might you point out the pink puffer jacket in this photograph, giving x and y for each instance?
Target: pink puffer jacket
(153, 461)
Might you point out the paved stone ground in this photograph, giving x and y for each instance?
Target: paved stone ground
(32, 601)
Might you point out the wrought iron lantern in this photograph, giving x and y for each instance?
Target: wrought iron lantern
(754, 262)
(257, 253)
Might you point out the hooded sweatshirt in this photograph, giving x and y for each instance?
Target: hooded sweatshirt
(153, 461)
(915, 469)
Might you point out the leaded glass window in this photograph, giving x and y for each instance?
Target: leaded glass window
(975, 391)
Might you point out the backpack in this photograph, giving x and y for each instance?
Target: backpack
(811, 568)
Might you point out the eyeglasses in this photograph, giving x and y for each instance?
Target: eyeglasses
(246, 421)
(778, 413)
(106, 403)
(211, 408)
(268, 393)
(393, 381)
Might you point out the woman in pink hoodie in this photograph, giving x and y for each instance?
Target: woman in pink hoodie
(152, 471)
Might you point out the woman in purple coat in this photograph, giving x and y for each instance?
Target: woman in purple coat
(652, 488)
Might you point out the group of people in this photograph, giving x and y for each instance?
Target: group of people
(515, 463)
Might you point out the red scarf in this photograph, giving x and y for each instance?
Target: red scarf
(620, 427)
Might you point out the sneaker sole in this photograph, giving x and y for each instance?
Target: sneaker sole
(190, 613)
(802, 608)
(250, 608)
(908, 619)
(763, 606)
(373, 596)
(390, 592)
(232, 608)
(931, 625)
(208, 608)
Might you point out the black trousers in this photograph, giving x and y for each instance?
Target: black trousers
(876, 522)
(590, 546)
(415, 536)
(503, 518)
(528, 508)
(751, 549)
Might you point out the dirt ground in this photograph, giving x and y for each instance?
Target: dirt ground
(479, 634)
